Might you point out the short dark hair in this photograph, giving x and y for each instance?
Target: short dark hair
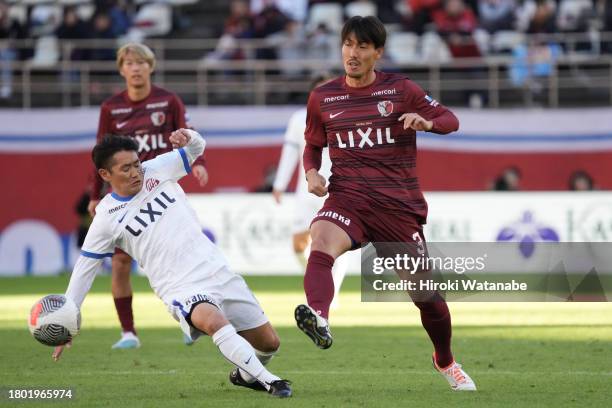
(367, 29)
(106, 148)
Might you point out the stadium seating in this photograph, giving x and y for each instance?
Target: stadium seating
(361, 8)
(330, 14)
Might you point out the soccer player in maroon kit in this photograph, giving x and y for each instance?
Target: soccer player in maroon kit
(369, 120)
(149, 114)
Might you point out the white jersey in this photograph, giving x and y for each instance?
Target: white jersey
(157, 227)
(292, 153)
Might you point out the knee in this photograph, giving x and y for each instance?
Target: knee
(321, 242)
(271, 343)
(207, 320)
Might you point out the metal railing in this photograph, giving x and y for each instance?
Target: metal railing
(574, 79)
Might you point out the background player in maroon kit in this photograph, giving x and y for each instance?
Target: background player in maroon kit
(369, 119)
(149, 114)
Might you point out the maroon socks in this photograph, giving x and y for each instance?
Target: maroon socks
(319, 282)
(124, 311)
(436, 320)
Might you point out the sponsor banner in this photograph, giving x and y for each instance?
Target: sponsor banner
(255, 233)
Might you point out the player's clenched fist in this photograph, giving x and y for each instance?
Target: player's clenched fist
(416, 122)
(180, 137)
(316, 183)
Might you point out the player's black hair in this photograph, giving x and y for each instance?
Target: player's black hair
(367, 29)
(106, 148)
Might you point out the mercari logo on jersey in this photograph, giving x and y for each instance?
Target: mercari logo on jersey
(151, 212)
(364, 137)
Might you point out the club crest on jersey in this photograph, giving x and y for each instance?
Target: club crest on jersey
(151, 184)
(385, 108)
(158, 118)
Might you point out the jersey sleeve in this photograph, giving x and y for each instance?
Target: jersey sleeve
(176, 164)
(315, 130)
(97, 246)
(290, 154)
(104, 127)
(444, 121)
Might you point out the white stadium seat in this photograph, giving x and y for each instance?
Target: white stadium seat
(360, 8)
(46, 52)
(434, 49)
(403, 47)
(329, 13)
(152, 20)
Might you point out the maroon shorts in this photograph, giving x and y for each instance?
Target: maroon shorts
(365, 225)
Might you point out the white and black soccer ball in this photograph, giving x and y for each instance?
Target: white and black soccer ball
(54, 320)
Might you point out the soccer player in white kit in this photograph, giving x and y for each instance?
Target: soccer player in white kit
(306, 204)
(148, 216)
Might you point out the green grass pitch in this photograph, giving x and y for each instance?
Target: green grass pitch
(519, 354)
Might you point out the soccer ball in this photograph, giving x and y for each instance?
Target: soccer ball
(54, 320)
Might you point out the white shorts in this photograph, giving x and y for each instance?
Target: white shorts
(225, 290)
(306, 207)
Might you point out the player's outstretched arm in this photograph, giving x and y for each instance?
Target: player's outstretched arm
(82, 277)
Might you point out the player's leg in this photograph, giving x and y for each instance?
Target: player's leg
(241, 308)
(394, 234)
(121, 288)
(266, 342)
(209, 319)
(301, 240)
(334, 231)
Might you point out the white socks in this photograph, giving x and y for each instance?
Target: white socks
(264, 358)
(240, 353)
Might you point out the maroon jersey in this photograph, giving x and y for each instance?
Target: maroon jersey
(149, 121)
(373, 157)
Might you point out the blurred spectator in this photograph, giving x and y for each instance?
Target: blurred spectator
(543, 20)
(456, 24)
(120, 12)
(536, 16)
(421, 13)
(290, 46)
(509, 180)
(267, 183)
(532, 61)
(73, 28)
(496, 15)
(322, 44)
(9, 30)
(101, 28)
(84, 218)
(238, 25)
(269, 21)
(293, 9)
(606, 10)
(581, 181)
